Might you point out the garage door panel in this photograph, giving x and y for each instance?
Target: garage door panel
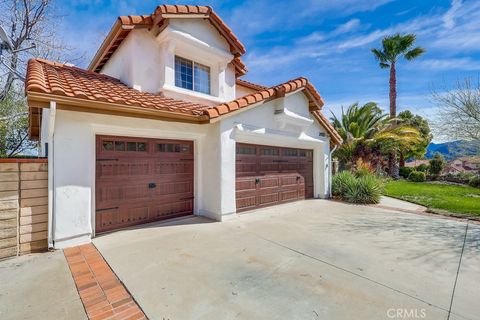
(142, 180)
(281, 175)
(245, 184)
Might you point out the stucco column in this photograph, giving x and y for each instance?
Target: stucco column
(227, 171)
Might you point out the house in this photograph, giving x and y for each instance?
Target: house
(416, 163)
(160, 125)
(463, 164)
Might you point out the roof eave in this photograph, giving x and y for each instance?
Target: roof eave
(41, 100)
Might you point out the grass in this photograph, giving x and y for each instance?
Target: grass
(452, 198)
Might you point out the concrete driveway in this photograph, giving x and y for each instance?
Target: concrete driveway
(313, 259)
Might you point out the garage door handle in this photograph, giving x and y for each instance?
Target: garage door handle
(257, 180)
(152, 185)
(298, 177)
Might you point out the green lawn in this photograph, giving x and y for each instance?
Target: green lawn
(452, 198)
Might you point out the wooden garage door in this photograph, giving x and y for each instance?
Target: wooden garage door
(142, 180)
(267, 175)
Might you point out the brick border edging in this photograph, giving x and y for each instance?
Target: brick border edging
(102, 293)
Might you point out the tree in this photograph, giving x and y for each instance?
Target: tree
(368, 134)
(25, 21)
(393, 48)
(437, 163)
(458, 116)
(423, 127)
(14, 126)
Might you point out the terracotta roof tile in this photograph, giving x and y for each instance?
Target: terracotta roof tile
(67, 81)
(250, 85)
(117, 35)
(57, 79)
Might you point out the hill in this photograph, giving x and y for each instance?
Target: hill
(453, 149)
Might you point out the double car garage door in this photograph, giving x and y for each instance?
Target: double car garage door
(142, 180)
(268, 175)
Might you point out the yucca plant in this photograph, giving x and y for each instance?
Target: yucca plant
(365, 190)
(341, 182)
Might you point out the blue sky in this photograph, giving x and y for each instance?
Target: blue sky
(327, 41)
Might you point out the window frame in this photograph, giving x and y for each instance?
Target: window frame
(194, 65)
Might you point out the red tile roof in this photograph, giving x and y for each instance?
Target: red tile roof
(159, 17)
(61, 80)
(267, 94)
(250, 85)
(68, 82)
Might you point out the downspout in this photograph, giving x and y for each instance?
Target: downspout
(51, 185)
(330, 170)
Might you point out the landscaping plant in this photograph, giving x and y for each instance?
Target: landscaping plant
(362, 189)
(417, 176)
(437, 163)
(340, 183)
(405, 172)
(474, 182)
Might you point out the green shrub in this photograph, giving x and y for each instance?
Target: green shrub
(437, 164)
(417, 176)
(474, 182)
(365, 190)
(405, 171)
(423, 168)
(340, 181)
(362, 172)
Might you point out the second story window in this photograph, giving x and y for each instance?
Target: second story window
(191, 75)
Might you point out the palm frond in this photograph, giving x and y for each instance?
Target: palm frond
(414, 53)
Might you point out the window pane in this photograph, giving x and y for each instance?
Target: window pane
(201, 78)
(166, 147)
(119, 146)
(142, 146)
(108, 145)
(185, 148)
(269, 152)
(246, 150)
(131, 146)
(183, 73)
(290, 152)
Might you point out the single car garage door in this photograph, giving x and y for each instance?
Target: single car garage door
(141, 180)
(268, 175)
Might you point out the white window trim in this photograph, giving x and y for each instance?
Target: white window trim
(193, 75)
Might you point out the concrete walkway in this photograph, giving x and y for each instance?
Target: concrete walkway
(38, 286)
(313, 259)
(392, 203)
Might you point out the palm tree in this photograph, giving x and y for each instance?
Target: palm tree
(393, 48)
(368, 134)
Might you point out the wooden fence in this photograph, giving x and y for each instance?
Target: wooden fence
(23, 206)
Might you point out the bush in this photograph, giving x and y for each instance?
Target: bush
(474, 182)
(437, 164)
(405, 171)
(362, 169)
(365, 190)
(423, 168)
(417, 176)
(341, 181)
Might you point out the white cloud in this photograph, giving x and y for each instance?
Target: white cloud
(449, 16)
(448, 64)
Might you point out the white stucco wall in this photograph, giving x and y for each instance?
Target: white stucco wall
(214, 187)
(74, 171)
(241, 91)
(146, 62)
(259, 126)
